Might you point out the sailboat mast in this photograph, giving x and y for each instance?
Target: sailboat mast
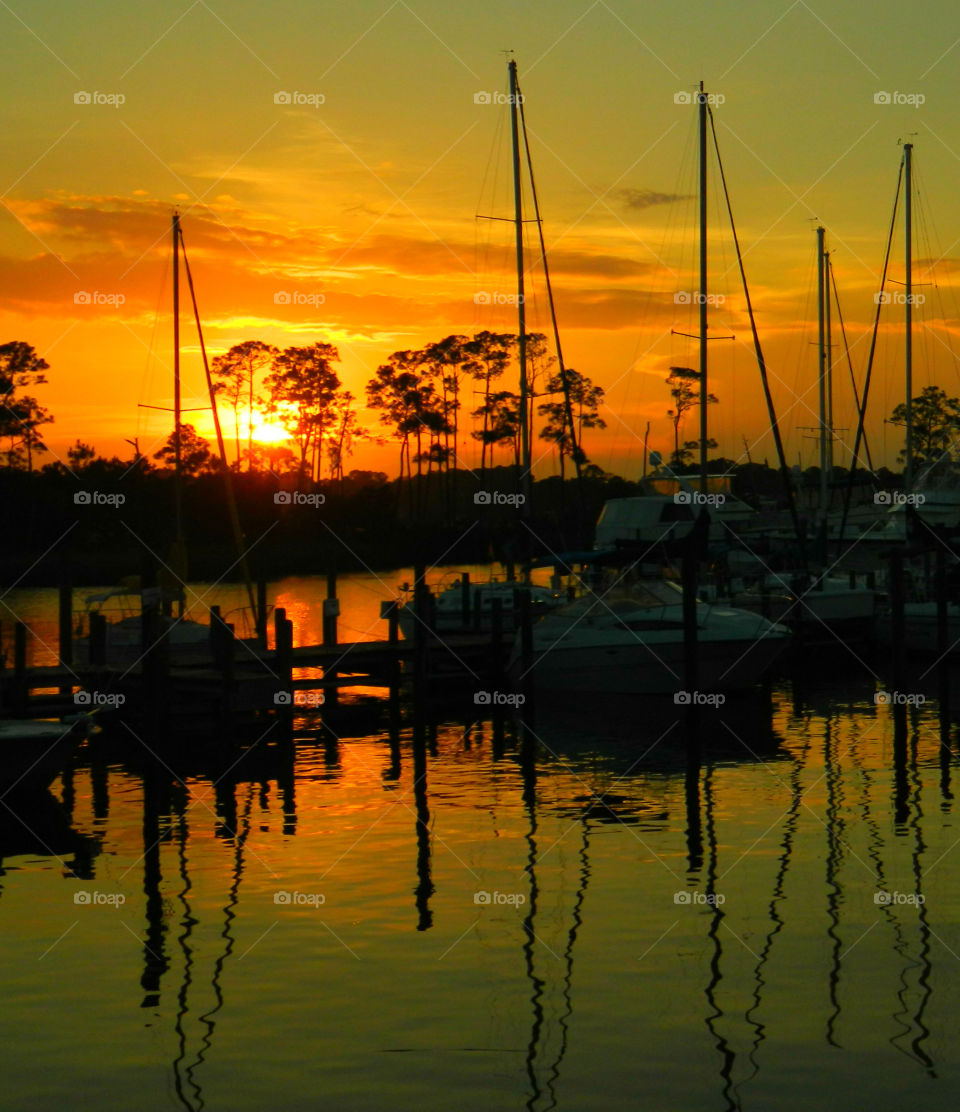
(822, 375)
(176, 375)
(521, 308)
(828, 333)
(908, 307)
(702, 121)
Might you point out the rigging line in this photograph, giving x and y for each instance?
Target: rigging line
(761, 361)
(576, 451)
(862, 409)
(238, 537)
(846, 350)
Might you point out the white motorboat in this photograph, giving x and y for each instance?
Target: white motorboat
(826, 600)
(633, 643)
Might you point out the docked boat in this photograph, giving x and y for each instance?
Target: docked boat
(34, 753)
(805, 601)
(458, 609)
(633, 643)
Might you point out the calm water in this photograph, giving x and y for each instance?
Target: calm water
(417, 919)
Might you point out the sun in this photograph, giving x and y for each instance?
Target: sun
(270, 433)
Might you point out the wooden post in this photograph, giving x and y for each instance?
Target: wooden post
(898, 619)
(943, 632)
(526, 652)
(283, 632)
(393, 664)
(331, 610)
(65, 629)
(262, 612)
(496, 641)
(20, 666)
(465, 599)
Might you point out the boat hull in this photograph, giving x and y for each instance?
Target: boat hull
(653, 669)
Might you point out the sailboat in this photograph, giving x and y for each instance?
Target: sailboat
(820, 601)
(635, 636)
(479, 598)
(187, 639)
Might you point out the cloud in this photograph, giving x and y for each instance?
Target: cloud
(638, 199)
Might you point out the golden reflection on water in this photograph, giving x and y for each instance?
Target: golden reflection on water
(430, 919)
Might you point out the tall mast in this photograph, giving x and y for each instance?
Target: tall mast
(177, 480)
(828, 332)
(822, 372)
(908, 227)
(521, 307)
(176, 370)
(702, 120)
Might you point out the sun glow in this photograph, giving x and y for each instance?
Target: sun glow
(270, 433)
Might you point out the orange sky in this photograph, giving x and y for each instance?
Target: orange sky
(362, 208)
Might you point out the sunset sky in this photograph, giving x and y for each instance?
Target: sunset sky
(361, 201)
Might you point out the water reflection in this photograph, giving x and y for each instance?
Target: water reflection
(785, 818)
